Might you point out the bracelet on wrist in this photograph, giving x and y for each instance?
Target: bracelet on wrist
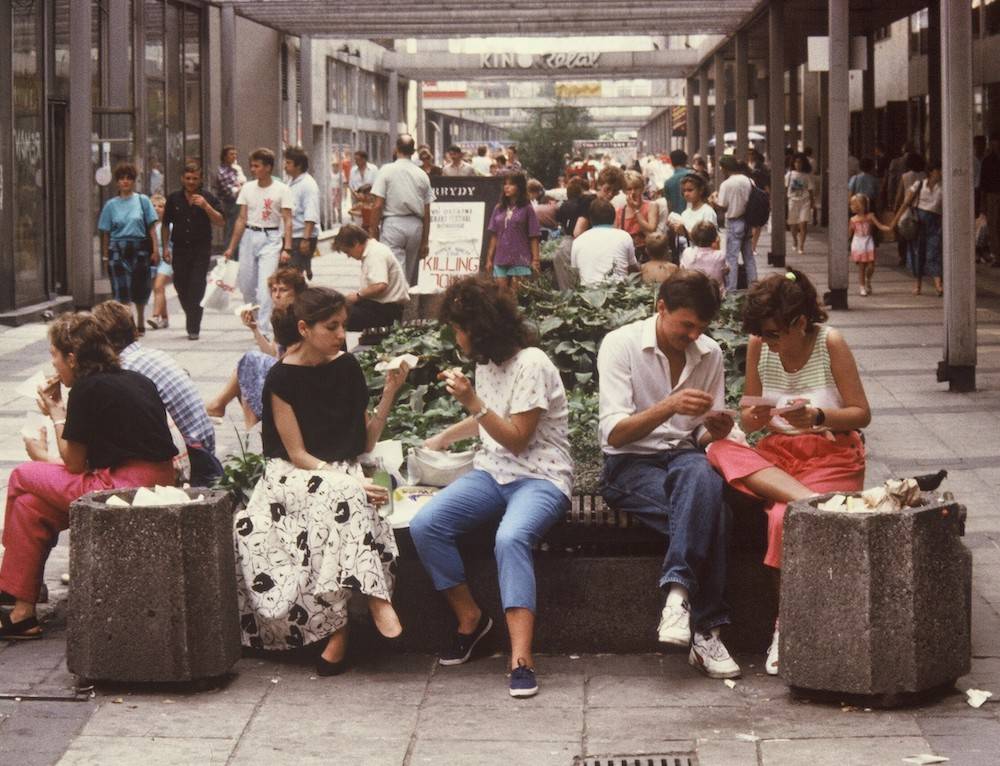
(482, 413)
(59, 422)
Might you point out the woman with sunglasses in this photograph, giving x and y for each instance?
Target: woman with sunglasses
(813, 443)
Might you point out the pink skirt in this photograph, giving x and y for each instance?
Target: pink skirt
(821, 463)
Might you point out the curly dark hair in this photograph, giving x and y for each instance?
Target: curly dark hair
(80, 334)
(489, 314)
(782, 298)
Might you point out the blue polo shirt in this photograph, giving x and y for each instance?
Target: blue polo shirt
(127, 217)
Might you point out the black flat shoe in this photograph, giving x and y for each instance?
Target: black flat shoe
(325, 668)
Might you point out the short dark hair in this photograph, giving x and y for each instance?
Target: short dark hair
(285, 326)
(575, 187)
(361, 153)
(125, 169)
(867, 164)
(601, 213)
(192, 167)
(657, 246)
(782, 298)
(405, 145)
(81, 334)
(612, 176)
(298, 157)
(225, 150)
(263, 155)
(704, 234)
(489, 314)
(915, 162)
(678, 158)
(115, 319)
(481, 151)
(348, 236)
(454, 148)
(694, 290)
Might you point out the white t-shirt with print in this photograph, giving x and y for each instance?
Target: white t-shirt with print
(264, 204)
(379, 264)
(527, 381)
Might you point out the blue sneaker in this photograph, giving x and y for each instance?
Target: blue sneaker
(522, 681)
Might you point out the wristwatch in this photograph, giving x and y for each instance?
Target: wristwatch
(286, 249)
(481, 414)
(820, 417)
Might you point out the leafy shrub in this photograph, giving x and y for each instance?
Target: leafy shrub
(571, 325)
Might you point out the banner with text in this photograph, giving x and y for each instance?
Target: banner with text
(458, 238)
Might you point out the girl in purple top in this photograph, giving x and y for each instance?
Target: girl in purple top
(513, 250)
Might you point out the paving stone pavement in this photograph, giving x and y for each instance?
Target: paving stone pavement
(406, 710)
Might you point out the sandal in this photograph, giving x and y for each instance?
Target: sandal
(20, 630)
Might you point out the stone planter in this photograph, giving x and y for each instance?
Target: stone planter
(153, 590)
(875, 604)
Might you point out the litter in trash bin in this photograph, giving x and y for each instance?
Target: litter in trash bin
(892, 496)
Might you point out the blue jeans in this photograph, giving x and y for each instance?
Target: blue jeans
(738, 239)
(679, 494)
(525, 508)
(925, 250)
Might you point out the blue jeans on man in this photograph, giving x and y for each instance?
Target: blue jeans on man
(677, 493)
(739, 240)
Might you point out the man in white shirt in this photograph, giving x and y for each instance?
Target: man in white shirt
(305, 209)
(362, 174)
(731, 199)
(379, 301)
(403, 197)
(662, 390)
(265, 215)
(456, 166)
(602, 252)
(481, 163)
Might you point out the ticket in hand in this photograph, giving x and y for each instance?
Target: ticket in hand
(758, 401)
(789, 408)
(396, 362)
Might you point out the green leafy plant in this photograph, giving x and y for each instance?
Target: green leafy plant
(241, 472)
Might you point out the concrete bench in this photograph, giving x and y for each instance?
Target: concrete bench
(153, 596)
(597, 573)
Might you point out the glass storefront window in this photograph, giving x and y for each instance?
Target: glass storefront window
(29, 166)
(192, 85)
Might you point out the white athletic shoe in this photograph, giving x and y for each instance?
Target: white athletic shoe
(711, 657)
(771, 663)
(675, 625)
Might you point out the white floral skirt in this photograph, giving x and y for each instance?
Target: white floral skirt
(305, 541)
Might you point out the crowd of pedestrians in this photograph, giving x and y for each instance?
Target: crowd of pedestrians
(312, 533)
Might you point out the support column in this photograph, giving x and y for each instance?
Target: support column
(742, 96)
(776, 128)
(227, 73)
(80, 166)
(934, 79)
(8, 292)
(306, 96)
(835, 158)
(689, 116)
(421, 123)
(795, 111)
(868, 126)
(959, 364)
(720, 115)
(668, 127)
(393, 109)
(703, 127)
(760, 96)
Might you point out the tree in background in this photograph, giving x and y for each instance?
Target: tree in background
(543, 142)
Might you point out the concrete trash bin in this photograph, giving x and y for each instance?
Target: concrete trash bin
(153, 589)
(875, 605)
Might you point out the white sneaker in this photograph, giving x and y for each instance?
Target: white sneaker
(771, 663)
(711, 657)
(863, 291)
(675, 625)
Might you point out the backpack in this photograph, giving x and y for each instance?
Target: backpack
(758, 206)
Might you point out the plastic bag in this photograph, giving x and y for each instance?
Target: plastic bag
(437, 469)
(221, 286)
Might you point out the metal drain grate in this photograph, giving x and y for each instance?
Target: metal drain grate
(664, 759)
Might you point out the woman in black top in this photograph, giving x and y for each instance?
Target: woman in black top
(311, 532)
(110, 432)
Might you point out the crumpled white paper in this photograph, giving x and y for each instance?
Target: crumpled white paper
(977, 697)
(924, 759)
(892, 496)
(158, 495)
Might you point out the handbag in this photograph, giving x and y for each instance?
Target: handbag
(221, 286)
(908, 226)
